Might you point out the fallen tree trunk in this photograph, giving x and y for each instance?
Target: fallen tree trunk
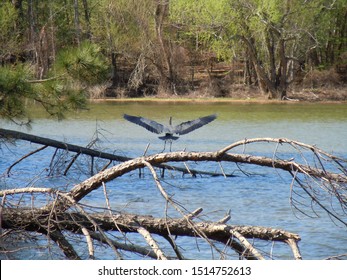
(63, 212)
(43, 221)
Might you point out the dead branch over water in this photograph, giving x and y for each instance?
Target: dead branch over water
(47, 142)
(65, 215)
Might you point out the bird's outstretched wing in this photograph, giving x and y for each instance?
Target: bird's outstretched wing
(189, 126)
(150, 125)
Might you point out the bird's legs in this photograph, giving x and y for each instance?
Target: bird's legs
(170, 141)
(164, 146)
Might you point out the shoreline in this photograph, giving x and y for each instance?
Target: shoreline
(212, 100)
(314, 95)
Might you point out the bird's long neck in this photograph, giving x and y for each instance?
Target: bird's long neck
(170, 121)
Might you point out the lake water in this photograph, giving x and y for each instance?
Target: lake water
(261, 199)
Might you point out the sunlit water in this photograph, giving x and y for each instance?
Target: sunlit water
(261, 200)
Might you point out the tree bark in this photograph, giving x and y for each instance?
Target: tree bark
(265, 84)
(283, 84)
(77, 22)
(32, 220)
(87, 18)
(166, 68)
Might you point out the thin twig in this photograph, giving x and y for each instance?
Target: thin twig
(24, 157)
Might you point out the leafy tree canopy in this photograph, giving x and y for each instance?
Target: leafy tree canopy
(60, 92)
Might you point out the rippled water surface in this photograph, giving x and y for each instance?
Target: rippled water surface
(261, 199)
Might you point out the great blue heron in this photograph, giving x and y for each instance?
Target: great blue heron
(170, 130)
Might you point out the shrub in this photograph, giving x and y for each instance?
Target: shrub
(322, 78)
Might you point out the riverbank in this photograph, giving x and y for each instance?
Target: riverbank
(331, 95)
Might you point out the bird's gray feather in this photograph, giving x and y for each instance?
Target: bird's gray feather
(150, 125)
(189, 126)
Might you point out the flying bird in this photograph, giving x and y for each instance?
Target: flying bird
(170, 130)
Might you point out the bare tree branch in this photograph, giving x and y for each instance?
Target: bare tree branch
(317, 177)
(151, 242)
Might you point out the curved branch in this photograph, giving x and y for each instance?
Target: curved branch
(84, 188)
(24, 157)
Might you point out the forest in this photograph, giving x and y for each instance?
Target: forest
(60, 53)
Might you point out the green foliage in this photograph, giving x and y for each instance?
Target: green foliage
(218, 24)
(124, 26)
(203, 25)
(74, 69)
(85, 64)
(14, 88)
(8, 18)
(60, 96)
(17, 86)
(198, 13)
(9, 37)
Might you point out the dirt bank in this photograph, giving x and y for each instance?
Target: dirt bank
(244, 94)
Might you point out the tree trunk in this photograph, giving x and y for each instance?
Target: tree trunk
(114, 76)
(283, 84)
(166, 71)
(270, 43)
(77, 22)
(232, 236)
(43, 54)
(265, 84)
(87, 18)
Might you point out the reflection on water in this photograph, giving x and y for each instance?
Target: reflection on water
(256, 200)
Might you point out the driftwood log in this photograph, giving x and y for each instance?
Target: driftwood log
(64, 212)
